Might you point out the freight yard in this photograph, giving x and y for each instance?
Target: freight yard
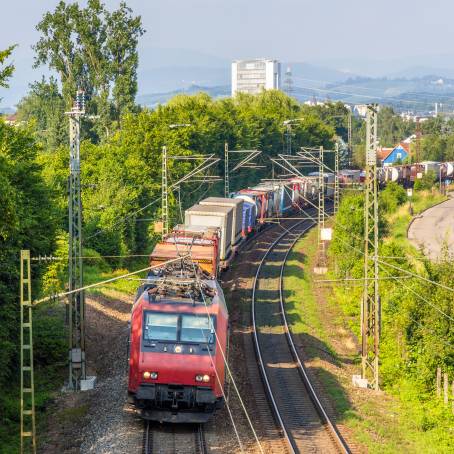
(265, 270)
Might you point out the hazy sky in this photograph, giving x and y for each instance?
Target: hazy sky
(328, 31)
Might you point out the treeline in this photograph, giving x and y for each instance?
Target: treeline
(123, 174)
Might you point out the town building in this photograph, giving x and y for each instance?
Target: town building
(253, 76)
(391, 155)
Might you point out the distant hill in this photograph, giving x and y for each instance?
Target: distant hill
(153, 99)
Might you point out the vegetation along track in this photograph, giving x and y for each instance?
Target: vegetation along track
(298, 410)
(172, 438)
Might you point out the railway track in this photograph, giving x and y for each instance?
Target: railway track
(301, 417)
(173, 439)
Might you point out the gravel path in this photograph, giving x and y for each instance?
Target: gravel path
(112, 426)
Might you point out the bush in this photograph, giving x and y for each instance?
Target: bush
(426, 182)
(391, 197)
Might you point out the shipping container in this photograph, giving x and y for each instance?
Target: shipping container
(249, 218)
(259, 198)
(213, 216)
(205, 255)
(237, 221)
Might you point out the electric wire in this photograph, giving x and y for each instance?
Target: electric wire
(228, 368)
(400, 269)
(382, 98)
(212, 361)
(107, 281)
(372, 89)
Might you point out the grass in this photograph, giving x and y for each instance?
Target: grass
(399, 221)
(401, 419)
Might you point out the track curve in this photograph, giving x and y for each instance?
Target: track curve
(298, 411)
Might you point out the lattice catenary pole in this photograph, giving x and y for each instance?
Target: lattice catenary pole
(226, 170)
(165, 194)
(27, 387)
(77, 300)
(350, 145)
(321, 195)
(370, 308)
(336, 178)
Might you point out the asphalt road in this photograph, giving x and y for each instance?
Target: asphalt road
(433, 228)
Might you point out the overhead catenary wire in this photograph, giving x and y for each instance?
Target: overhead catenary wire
(229, 410)
(371, 97)
(358, 87)
(400, 269)
(107, 281)
(228, 367)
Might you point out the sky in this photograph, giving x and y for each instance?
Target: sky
(348, 34)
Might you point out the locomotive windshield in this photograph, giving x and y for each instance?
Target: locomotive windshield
(161, 326)
(196, 329)
(189, 328)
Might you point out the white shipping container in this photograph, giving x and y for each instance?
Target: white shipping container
(237, 221)
(213, 216)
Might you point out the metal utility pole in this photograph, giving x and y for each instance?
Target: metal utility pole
(370, 308)
(27, 387)
(418, 140)
(165, 194)
(226, 171)
(350, 145)
(336, 178)
(321, 195)
(76, 300)
(288, 136)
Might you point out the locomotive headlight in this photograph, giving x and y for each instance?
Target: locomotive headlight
(146, 375)
(198, 377)
(206, 378)
(178, 349)
(153, 375)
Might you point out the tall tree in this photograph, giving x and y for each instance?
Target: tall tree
(44, 109)
(96, 50)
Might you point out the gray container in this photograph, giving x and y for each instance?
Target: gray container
(237, 221)
(213, 216)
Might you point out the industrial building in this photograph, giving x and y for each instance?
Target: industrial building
(253, 76)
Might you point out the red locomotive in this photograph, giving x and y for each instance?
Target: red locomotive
(178, 342)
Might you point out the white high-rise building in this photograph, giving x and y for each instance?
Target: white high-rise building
(253, 76)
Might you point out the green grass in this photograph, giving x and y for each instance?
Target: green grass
(93, 274)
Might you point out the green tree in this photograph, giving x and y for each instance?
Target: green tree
(44, 109)
(27, 221)
(94, 50)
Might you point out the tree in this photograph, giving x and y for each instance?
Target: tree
(6, 71)
(27, 221)
(44, 109)
(94, 50)
(392, 128)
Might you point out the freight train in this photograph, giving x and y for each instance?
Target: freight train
(405, 174)
(178, 340)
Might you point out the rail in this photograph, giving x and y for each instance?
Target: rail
(322, 414)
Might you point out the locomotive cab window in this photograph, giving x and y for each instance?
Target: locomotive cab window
(160, 326)
(196, 329)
